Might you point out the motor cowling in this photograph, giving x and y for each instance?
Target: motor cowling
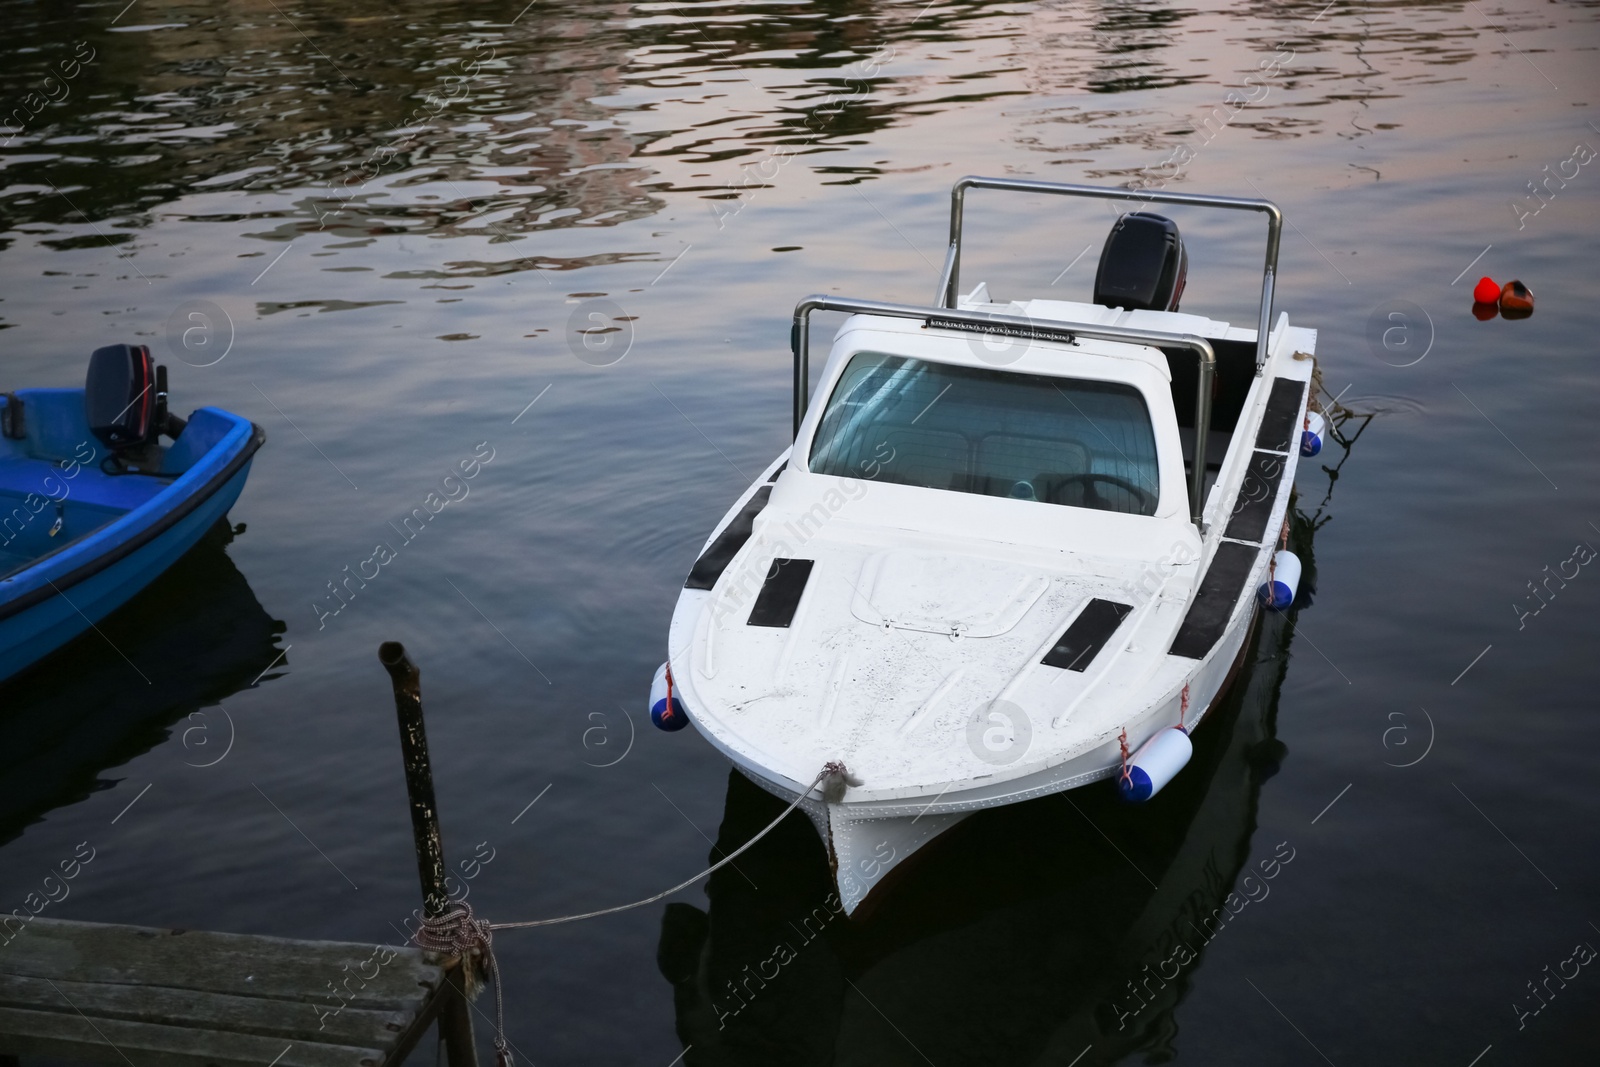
(1143, 266)
(125, 398)
(119, 395)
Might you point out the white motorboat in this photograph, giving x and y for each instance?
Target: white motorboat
(1016, 549)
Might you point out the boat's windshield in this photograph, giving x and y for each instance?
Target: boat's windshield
(974, 430)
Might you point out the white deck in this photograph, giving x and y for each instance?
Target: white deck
(926, 610)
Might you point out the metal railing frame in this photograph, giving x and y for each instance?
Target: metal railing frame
(951, 279)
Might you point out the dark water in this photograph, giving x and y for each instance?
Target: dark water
(394, 217)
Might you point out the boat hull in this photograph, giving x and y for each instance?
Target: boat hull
(872, 830)
(37, 631)
(1024, 918)
(867, 841)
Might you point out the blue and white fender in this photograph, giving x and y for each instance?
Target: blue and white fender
(1312, 435)
(1156, 763)
(666, 711)
(1283, 581)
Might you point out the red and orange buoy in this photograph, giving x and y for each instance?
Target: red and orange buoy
(1514, 300)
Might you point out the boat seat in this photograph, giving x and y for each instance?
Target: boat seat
(20, 476)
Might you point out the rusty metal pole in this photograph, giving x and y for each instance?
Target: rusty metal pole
(455, 1013)
(407, 681)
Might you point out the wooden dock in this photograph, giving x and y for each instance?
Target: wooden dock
(137, 996)
(133, 994)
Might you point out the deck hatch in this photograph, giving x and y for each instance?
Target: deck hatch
(1087, 635)
(780, 593)
(714, 560)
(1257, 495)
(1219, 591)
(1277, 422)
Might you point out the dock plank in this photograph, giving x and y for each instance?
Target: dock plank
(365, 1027)
(242, 964)
(191, 998)
(70, 1036)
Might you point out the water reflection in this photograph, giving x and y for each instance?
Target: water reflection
(459, 121)
(193, 638)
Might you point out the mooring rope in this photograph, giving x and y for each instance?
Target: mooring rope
(829, 770)
(458, 932)
(1125, 779)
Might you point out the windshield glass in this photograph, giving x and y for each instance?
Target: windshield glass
(975, 430)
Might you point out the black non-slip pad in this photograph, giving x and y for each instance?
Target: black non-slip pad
(780, 593)
(1219, 591)
(1278, 421)
(709, 567)
(1258, 493)
(1087, 635)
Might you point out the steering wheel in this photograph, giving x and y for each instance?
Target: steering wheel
(1147, 501)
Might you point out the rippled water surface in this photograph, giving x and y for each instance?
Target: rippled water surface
(394, 220)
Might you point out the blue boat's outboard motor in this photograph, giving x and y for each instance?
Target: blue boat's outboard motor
(1143, 265)
(125, 398)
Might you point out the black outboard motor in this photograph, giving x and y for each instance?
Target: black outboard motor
(1143, 265)
(125, 398)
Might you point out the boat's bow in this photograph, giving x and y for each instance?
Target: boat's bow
(944, 674)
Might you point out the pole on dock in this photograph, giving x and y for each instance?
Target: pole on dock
(455, 1013)
(407, 681)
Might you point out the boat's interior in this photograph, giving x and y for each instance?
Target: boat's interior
(58, 481)
(1235, 374)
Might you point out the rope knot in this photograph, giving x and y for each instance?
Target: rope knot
(459, 933)
(834, 778)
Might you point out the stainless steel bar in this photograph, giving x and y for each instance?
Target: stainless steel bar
(1264, 324)
(800, 344)
(944, 297)
(800, 332)
(953, 282)
(1232, 203)
(1269, 276)
(1202, 434)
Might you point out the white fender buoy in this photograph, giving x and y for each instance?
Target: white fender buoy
(1156, 763)
(667, 714)
(1311, 436)
(1279, 590)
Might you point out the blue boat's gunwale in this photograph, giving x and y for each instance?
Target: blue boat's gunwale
(61, 570)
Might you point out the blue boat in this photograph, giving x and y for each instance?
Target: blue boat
(94, 504)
